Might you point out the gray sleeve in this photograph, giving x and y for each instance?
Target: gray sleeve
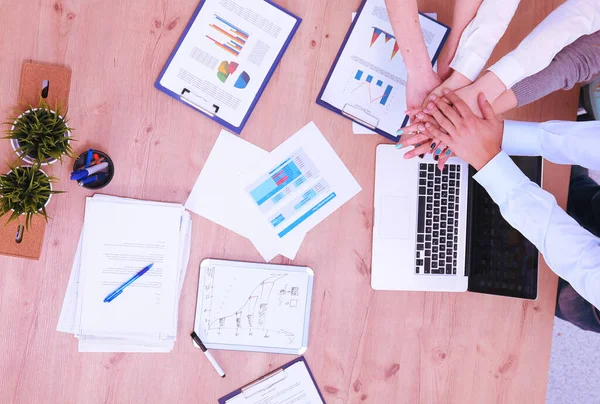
(576, 63)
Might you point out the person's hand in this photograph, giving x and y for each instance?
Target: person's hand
(490, 85)
(475, 140)
(454, 82)
(418, 86)
(413, 135)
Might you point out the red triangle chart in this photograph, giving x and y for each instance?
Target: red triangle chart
(376, 33)
(388, 37)
(396, 49)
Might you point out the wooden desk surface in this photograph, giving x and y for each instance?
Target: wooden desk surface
(365, 346)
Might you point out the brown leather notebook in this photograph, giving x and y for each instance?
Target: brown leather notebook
(54, 82)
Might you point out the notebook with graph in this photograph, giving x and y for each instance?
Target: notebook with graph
(226, 56)
(254, 307)
(367, 82)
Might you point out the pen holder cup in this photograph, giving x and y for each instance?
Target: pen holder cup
(80, 164)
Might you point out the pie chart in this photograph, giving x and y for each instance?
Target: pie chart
(225, 69)
(242, 81)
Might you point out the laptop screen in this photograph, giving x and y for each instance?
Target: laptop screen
(500, 260)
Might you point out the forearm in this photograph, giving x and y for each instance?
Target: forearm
(481, 35)
(564, 25)
(404, 17)
(532, 88)
(561, 142)
(464, 12)
(576, 63)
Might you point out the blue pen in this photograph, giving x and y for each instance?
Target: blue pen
(86, 172)
(93, 178)
(88, 159)
(120, 289)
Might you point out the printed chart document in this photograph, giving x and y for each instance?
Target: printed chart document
(359, 129)
(216, 195)
(367, 82)
(293, 383)
(254, 307)
(298, 185)
(226, 56)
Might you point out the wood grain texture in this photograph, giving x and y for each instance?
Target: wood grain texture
(384, 347)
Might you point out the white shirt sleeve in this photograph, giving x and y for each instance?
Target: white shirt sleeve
(564, 25)
(561, 142)
(480, 37)
(570, 251)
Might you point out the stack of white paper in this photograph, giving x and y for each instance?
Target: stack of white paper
(119, 238)
(273, 199)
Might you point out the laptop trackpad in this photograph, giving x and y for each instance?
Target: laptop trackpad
(394, 220)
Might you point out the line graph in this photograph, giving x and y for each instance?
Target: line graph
(374, 90)
(252, 318)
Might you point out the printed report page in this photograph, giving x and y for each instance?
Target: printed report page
(298, 185)
(369, 79)
(227, 54)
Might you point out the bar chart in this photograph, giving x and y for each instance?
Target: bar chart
(227, 36)
(373, 90)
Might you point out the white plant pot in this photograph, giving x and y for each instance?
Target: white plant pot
(15, 144)
(49, 197)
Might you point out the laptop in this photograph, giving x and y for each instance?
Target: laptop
(440, 231)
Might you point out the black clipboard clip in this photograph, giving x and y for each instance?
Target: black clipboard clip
(360, 116)
(198, 102)
(264, 383)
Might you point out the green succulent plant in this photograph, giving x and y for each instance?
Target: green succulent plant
(40, 133)
(25, 191)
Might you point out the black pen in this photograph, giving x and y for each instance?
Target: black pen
(211, 359)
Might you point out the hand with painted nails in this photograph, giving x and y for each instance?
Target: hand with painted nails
(475, 140)
(418, 127)
(420, 140)
(417, 89)
(444, 158)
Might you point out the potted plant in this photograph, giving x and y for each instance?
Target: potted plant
(25, 191)
(41, 135)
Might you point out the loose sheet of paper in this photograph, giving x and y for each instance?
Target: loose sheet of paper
(216, 196)
(369, 79)
(294, 386)
(227, 54)
(298, 185)
(242, 306)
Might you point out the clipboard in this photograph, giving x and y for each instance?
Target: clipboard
(201, 103)
(233, 323)
(353, 113)
(269, 381)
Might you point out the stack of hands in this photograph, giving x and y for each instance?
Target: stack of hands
(447, 126)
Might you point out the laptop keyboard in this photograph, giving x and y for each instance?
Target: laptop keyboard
(437, 223)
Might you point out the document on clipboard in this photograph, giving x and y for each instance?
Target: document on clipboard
(293, 382)
(226, 56)
(367, 82)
